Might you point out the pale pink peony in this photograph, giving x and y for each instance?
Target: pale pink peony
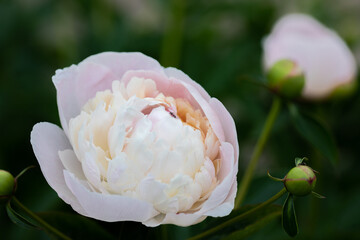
(324, 57)
(139, 143)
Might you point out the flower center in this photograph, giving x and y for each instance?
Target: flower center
(137, 142)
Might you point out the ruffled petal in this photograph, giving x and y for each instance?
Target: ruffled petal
(180, 89)
(227, 176)
(75, 85)
(71, 163)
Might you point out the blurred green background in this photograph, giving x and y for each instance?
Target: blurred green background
(218, 44)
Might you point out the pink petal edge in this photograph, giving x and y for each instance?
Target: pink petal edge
(180, 75)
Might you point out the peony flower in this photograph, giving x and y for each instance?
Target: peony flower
(325, 59)
(139, 143)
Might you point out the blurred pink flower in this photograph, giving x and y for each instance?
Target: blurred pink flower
(326, 60)
(139, 143)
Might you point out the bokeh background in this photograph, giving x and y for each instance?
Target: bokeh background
(218, 44)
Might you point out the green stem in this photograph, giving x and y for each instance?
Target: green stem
(172, 42)
(239, 217)
(245, 182)
(47, 227)
(164, 232)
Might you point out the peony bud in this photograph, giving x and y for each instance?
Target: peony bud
(324, 57)
(300, 180)
(286, 78)
(7, 183)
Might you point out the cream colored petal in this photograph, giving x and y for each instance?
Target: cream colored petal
(107, 207)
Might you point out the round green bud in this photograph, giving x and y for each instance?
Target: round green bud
(7, 183)
(286, 78)
(300, 180)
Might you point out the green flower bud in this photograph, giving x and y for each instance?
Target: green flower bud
(286, 78)
(300, 180)
(7, 183)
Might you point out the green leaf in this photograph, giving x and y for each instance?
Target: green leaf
(315, 133)
(18, 219)
(251, 228)
(289, 221)
(76, 226)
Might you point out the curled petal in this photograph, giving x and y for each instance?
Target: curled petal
(47, 139)
(120, 63)
(228, 125)
(180, 75)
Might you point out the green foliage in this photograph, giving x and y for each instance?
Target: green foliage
(316, 133)
(20, 219)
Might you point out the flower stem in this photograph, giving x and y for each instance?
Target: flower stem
(245, 182)
(239, 217)
(47, 227)
(173, 35)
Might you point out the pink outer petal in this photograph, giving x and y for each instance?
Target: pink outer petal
(227, 206)
(120, 63)
(47, 140)
(228, 173)
(76, 84)
(209, 112)
(176, 73)
(109, 208)
(227, 123)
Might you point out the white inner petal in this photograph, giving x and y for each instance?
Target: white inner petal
(137, 142)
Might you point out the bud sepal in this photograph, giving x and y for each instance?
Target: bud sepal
(286, 78)
(7, 185)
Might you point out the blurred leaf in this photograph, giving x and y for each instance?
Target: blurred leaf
(256, 225)
(315, 132)
(18, 219)
(75, 226)
(289, 221)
